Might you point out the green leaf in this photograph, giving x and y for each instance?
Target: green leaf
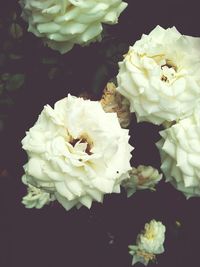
(16, 30)
(5, 76)
(49, 61)
(15, 56)
(5, 102)
(15, 81)
(100, 78)
(1, 88)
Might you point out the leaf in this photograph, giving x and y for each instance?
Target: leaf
(49, 61)
(1, 88)
(2, 59)
(15, 81)
(5, 103)
(100, 79)
(14, 16)
(16, 30)
(15, 56)
(5, 76)
(52, 73)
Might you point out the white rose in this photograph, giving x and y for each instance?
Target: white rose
(142, 177)
(160, 75)
(149, 243)
(153, 237)
(180, 154)
(62, 24)
(77, 151)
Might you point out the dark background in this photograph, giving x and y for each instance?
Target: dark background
(99, 237)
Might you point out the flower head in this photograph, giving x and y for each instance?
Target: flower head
(36, 197)
(160, 75)
(149, 243)
(180, 154)
(62, 24)
(142, 177)
(152, 238)
(75, 152)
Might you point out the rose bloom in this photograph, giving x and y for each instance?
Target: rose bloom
(149, 243)
(153, 237)
(77, 152)
(180, 154)
(160, 75)
(62, 24)
(142, 177)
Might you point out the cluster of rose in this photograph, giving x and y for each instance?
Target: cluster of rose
(75, 149)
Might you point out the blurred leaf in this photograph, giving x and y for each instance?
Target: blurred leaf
(14, 16)
(15, 82)
(15, 56)
(5, 76)
(5, 105)
(16, 30)
(52, 73)
(123, 47)
(7, 45)
(49, 61)
(5, 102)
(1, 88)
(100, 78)
(2, 59)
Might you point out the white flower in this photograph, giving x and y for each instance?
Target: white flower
(149, 243)
(153, 237)
(112, 101)
(142, 177)
(77, 152)
(64, 23)
(36, 198)
(180, 154)
(160, 75)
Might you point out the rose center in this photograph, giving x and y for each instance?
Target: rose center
(84, 140)
(168, 71)
(142, 179)
(149, 233)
